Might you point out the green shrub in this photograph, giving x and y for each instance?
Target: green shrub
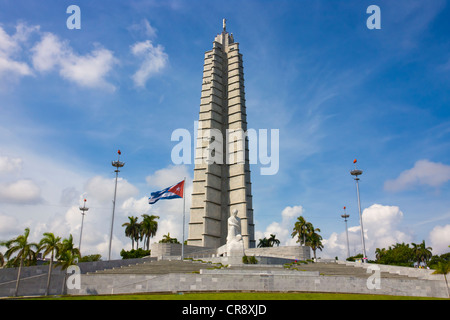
(253, 260)
(133, 254)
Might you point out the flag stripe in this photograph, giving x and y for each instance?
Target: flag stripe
(174, 192)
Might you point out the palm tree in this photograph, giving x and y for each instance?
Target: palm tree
(315, 241)
(2, 260)
(168, 239)
(68, 246)
(380, 253)
(149, 227)
(300, 230)
(309, 229)
(131, 229)
(66, 259)
(421, 252)
(272, 240)
(139, 234)
(443, 268)
(68, 256)
(24, 250)
(50, 244)
(263, 243)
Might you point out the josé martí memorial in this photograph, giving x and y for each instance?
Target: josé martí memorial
(221, 227)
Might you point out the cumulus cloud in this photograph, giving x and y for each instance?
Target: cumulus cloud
(8, 226)
(440, 239)
(382, 228)
(9, 165)
(145, 28)
(102, 189)
(424, 172)
(22, 191)
(88, 70)
(282, 230)
(166, 177)
(10, 49)
(154, 59)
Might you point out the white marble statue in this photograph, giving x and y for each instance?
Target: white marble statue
(235, 244)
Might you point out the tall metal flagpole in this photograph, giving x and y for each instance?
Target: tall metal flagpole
(356, 173)
(345, 216)
(184, 206)
(83, 210)
(117, 164)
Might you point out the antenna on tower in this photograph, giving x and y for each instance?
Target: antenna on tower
(224, 25)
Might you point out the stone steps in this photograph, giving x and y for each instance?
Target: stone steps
(334, 269)
(159, 267)
(178, 266)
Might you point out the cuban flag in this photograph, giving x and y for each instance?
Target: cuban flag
(174, 192)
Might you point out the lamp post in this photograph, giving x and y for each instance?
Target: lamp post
(345, 216)
(356, 172)
(83, 210)
(117, 164)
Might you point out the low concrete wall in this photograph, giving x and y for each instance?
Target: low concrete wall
(405, 271)
(286, 252)
(264, 281)
(33, 280)
(161, 250)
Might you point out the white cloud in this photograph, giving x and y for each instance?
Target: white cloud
(21, 191)
(48, 52)
(424, 172)
(11, 67)
(102, 189)
(144, 27)
(166, 177)
(136, 207)
(382, 228)
(154, 60)
(10, 48)
(440, 239)
(8, 227)
(88, 70)
(282, 230)
(8, 165)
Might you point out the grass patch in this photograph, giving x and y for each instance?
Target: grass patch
(237, 296)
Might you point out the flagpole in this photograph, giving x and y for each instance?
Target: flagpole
(184, 206)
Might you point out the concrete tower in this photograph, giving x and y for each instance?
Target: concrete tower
(222, 170)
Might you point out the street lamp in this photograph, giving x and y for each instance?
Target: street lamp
(83, 210)
(345, 216)
(356, 172)
(117, 164)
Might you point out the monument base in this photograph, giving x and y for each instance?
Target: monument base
(265, 256)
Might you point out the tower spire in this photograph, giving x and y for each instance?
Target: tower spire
(224, 25)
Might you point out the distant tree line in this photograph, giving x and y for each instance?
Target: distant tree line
(407, 255)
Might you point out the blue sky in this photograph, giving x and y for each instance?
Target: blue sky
(132, 75)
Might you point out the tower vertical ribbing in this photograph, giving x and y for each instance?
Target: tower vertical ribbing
(219, 188)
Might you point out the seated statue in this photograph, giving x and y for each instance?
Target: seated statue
(235, 244)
